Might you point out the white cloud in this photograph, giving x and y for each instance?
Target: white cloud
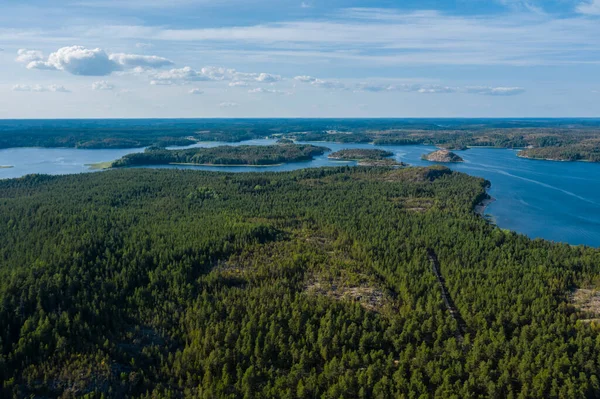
(408, 88)
(228, 104)
(79, 60)
(268, 91)
(439, 89)
(140, 61)
(58, 88)
(178, 75)
(217, 73)
(495, 91)
(40, 88)
(102, 85)
(196, 91)
(160, 82)
(435, 89)
(328, 84)
(305, 78)
(267, 78)
(211, 73)
(325, 84)
(238, 83)
(27, 56)
(589, 7)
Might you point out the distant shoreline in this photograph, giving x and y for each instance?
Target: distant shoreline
(553, 159)
(6, 166)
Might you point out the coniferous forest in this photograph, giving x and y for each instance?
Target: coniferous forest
(321, 283)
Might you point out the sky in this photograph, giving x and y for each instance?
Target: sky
(289, 58)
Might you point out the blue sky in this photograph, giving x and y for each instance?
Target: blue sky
(288, 58)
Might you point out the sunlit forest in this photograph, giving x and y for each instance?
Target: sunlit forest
(224, 155)
(319, 283)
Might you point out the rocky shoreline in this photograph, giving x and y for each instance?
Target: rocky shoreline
(480, 208)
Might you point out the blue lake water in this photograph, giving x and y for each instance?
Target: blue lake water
(558, 201)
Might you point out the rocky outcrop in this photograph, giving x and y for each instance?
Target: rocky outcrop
(442, 156)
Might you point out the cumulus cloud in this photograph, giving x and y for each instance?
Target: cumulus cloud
(436, 89)
(26, 56)
(211, 73)
(140, 61)
(228, 104)
(218, 73)
(79, 60)
(178, 75)
(238, 83)
(40, 88)
(196, 91)
(102, 85)
(495, 91)
(324, 84)
(268, 91)
(267, 78)
(407, 88)
(305, 79)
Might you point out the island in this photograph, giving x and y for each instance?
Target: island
(366, 157)
(285, 141)
(442, 155)
(586, 151)
(243, 155)
(6, 166)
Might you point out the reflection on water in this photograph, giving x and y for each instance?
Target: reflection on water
(558, 201)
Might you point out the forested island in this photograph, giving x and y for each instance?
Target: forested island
(560, 139)
(339, 282)
(443, 156)
(356, 154)
(366, 157)
(584, 151)
(223, 155)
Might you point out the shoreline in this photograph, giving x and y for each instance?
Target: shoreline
(481, 207)
(552, 159)
(6, 166)
(222, 165)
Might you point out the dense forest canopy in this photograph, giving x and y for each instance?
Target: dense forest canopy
(340, 282)
(586, 150)
(567, 139)
(224, 155)
(360, 153)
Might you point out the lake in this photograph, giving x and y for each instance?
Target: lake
(558, 201)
